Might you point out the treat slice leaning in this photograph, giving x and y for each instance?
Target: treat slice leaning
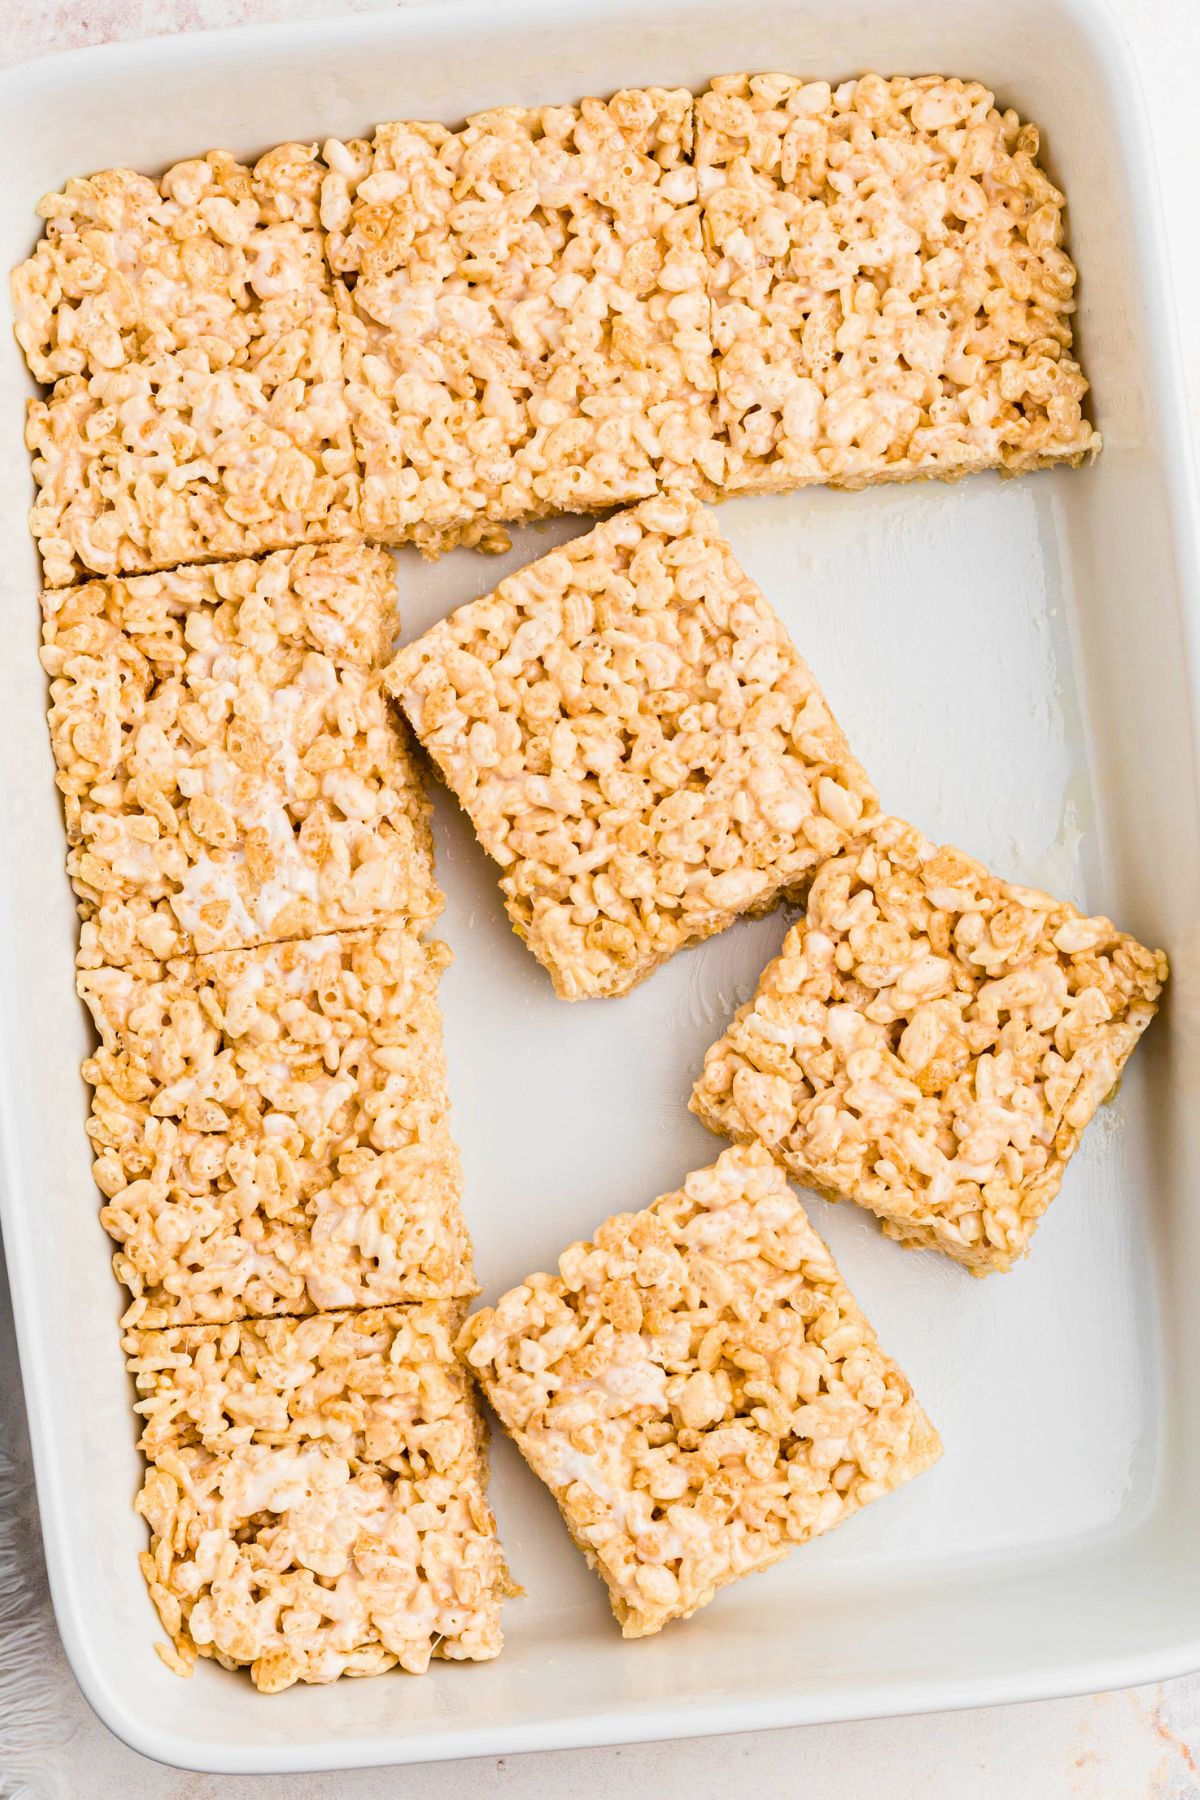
(637, 742)
(698, 1390)
(932, 1042)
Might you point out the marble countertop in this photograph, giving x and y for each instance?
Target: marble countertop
(1143, 1744)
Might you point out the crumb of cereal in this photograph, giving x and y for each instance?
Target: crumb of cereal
(271, 1129)
(931, 1043)
(891, 295)
(525, 316)
(231, 769)
(317, 1496)
(698, 1390)
(190, 333)
(637, 743)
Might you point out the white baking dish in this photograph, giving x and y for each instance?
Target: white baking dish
(1016, 665)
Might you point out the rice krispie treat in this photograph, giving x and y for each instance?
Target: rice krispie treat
(189, 330)
(271, 1129)
(231, 768)
(637, 743)
(386, 1228)
(309, 1048)
(380, 1387)
(317, 1496)
(931, 1042)
(698, 1390)
(527, 325)
(891, 295)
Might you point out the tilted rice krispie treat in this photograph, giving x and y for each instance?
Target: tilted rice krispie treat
(698, 1390)
(637, 743)
(527, 324)
(271, 1129)
(931, 1042)
(190, 332)
(232, 770)
(317, 1496)
(891, 295)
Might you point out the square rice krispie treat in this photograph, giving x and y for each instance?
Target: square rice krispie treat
(188, 331)
(317, 1496)
(698, 1390)
(232, 770)
(931, 1042)
(891, 294)
(637, 743)
(271, 1129)
(527, 324)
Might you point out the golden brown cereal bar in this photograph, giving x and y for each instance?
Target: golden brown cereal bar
(931, 1042)
(527, 326)
(891, 295)
(190, 331)
(231, 769)
(379, 1386)
(317, 1496)
(271, 1129)
(637, 743)
(698, 1390)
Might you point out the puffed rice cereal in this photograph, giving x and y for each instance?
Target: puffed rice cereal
(637, 743)
(271, 1129)
(891, 294)
(698, 1390)
(190, 331)
(317, 1496)
(931, 1042)
(527, 325)
(231, 768)
(380, 1387)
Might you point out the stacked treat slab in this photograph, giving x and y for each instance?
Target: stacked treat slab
(638, 744)
(251, 850)
(425, 334)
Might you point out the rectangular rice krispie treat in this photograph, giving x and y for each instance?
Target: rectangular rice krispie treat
(232, 770)
(317, 1496)
(637, 743)
(189, 333)
(271, 1129)
(891, 294)
(698, 1390)
(931, 1042)
(527, 325)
